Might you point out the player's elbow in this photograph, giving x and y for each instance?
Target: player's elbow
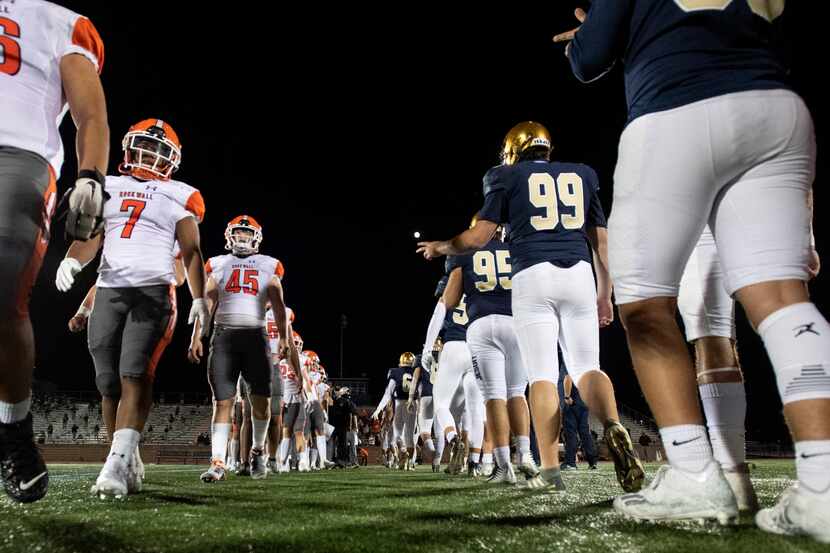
(590, 64)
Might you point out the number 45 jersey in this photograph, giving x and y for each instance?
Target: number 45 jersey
(242, 283)
(547, 207)
(140, 230)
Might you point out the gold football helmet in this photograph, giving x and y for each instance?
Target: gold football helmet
(521, 138)
(407, 359)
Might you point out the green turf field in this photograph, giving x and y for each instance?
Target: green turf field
(366, 509)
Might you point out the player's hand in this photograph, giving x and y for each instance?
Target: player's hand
(567, 36)
(427, 360)
(195, 352)
(429, 249)
(200, 311)
(813, 264)
(410, 405)
(86, 206)
(77, 323)
(569, 401)
(375, 416)
(67, 270)
(282, 347)
(605, 312)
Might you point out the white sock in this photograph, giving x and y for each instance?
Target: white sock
(724, 404)
(796, 338)
(15, 412)
(812, 463)
(282, 452)
(321, 447)
(429, 445)
(502, 455)
(123, 445)
(487, 458)
(313, 454)
(234, 451)
(304, 456)
(687, 446)
(259, 431)
(439, 448)
(219, 440)
(523, 444)
(475, 456)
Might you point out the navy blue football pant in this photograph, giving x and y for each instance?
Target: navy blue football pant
(576, 427)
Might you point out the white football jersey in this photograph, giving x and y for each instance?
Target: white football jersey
(271, 326)
(140, 230)
(34, 37)
(291, 381)
(242, 284)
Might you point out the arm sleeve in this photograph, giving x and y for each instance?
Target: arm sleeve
(599, 41)
(435, 324)
(387, 396)
(495, 196)
(595, 215)
(82, 38)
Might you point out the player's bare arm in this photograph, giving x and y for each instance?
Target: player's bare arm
(278, 308)
(85, 96)
(454, 290)
(468, 241)
(187, 233)
(78, 321)
(598, 237)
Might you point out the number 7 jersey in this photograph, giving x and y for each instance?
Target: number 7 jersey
(242, 284)
(140, 230)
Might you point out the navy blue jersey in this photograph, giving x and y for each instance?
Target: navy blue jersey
(546, 206)
(675, 55)
(454, 328)
(486, 275)
(403, 380)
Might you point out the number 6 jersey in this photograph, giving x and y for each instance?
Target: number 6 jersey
(140, 230)
(242, 283)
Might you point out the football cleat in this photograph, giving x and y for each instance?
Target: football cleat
(678, 495)
(22, 469)
(546, 480)
(258, 470)
(113, 479)
(527, 466)
(215, 473)
(798, 512)
(503, 476)
(629, 469)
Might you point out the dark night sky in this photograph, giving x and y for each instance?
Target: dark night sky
(343, 130)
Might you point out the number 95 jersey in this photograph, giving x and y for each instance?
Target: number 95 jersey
(242, 283)
(140, 230)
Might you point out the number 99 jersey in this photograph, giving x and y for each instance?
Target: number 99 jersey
(242, 285)
(547, 206)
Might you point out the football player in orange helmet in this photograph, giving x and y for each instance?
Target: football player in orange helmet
(145, 214)
(152, 150)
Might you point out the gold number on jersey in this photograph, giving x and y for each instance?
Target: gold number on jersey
(543, 193)
(768, 9)
(495, 268)
(407, 382)
(459, 315)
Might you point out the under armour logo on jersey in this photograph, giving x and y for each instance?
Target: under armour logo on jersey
(801, 329)
(150, 187)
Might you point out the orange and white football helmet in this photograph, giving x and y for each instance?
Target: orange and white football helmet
(312, 356)
(298, 340)
(152, 150)
(243, 243)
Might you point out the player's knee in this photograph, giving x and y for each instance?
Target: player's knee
(648, 316)
(108, 384)
(578, 372)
